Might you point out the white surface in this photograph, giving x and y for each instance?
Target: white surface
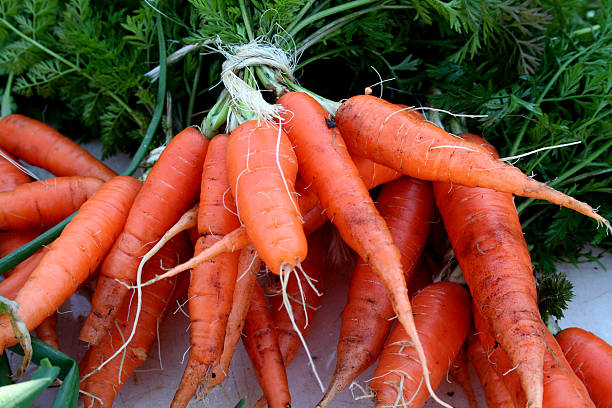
(153, 386)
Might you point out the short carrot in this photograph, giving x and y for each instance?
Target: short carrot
(442, 317)
(487, 239)
(212, 283)
(591, 360)
(376, 129)
(495, 392)
(347, 201)
(39, 144)
(262, 347)
(262, 170)
(407, 207)
(171, 187)
(74, 255)
(42, 204)
(106, 383)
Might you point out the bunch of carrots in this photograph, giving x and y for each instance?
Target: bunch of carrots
(244, 212)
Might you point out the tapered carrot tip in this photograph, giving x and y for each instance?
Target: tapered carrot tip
(342, 376)
(98, 322)
(194, 373)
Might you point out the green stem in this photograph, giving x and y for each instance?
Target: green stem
(71, 65)
(217, 116)
(327, 12)
(321, 56)
(247, 20)
(300, 15)
(6, 97)
(157, 114)
(549, 85)
(194, 90)
(586, 30)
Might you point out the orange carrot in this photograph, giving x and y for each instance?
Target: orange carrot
(262, 347)
(442, 317)
(407, 207)
(10, 175)
(487, 239)
(170, 189)
(46, 331)
(375, 128)
(591, 360)
(106, 383)
(248, 266)
(42, 204)
(347, 201)
(212, 283)
(495, 391)
(74, 255)
(460, 373)
(562, 388)
(262, 169)
(41, 145)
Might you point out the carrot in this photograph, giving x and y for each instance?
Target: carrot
(408, 209)
(41, 204)
(212, 283)
(375, 128)
(496, 393)
(106, 383)
(74, 254)
(591, 360)
(41, 145)
(421, 278)
(487, 239)
(46, 331)
(10, 175)
(459, 372)
(562, 388)
(262, 347)
(262, 169)
(442, 317)
(170, 189)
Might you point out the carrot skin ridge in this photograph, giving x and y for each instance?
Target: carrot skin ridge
(156, 208)
(373, 128)
(262, 170)
(41, 204)
(39, 144)
(487, 239)
(495, 391)
(106, 383)
(262, 347)
(407, 206)
(75, 254)
(591, 359)
(212, 283)
(442, 317)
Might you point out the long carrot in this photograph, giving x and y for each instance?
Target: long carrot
(487, 239)
(10, 175)
(41, 204)
(262, 347)
(442, 317)
(562, 388)
(347, 201)
(262, 169)
(212, 283)
(495, 392)
(170, 189)
(74, 255)
(104, 385)
(376, 129)
(591, 360)
(408, 209)
(41, 145)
